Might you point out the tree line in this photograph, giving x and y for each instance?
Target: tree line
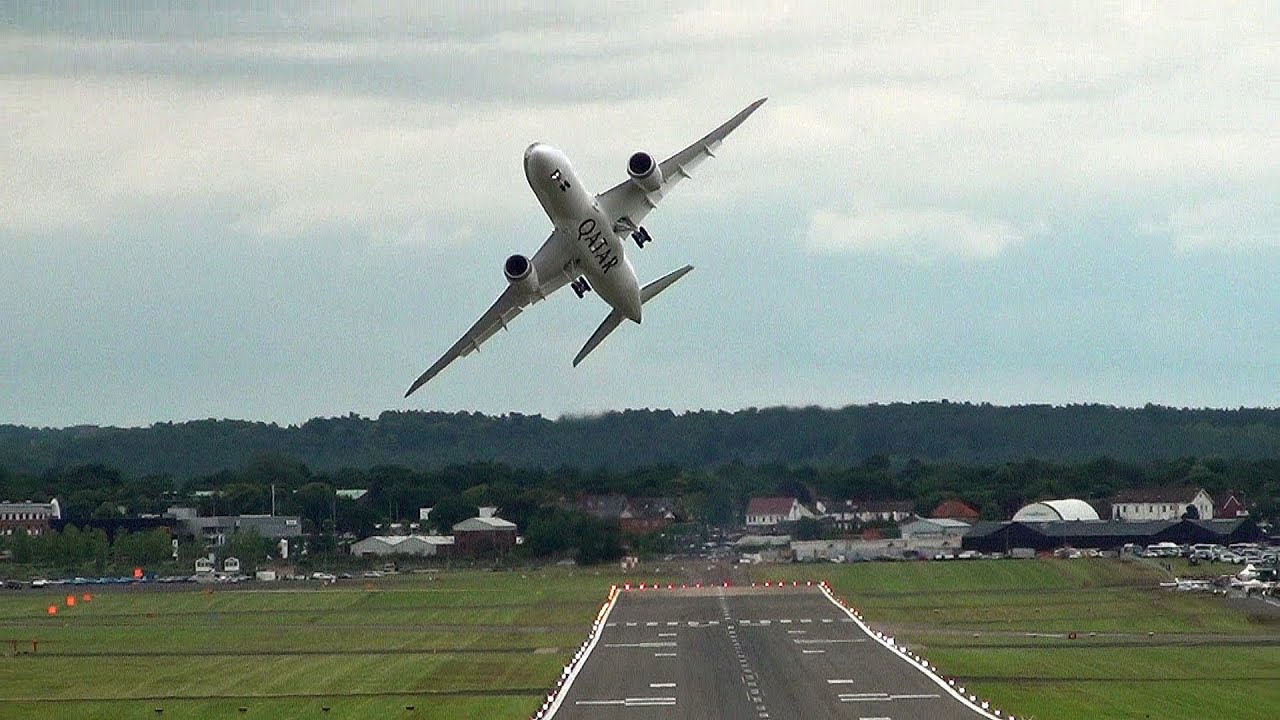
(716, 496)
(932, 432)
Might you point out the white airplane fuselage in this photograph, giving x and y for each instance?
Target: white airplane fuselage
(600, 254)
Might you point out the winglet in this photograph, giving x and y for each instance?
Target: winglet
(611, 322)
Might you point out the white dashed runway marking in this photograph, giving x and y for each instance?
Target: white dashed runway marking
(884, 697)
(631, 702)
(655, 644)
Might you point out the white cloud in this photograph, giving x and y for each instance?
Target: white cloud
(1227, 223)
(920, 235)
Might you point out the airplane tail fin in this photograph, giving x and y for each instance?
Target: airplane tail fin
(647, 293)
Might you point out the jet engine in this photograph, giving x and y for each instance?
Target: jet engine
(520, 273)
(644, 172)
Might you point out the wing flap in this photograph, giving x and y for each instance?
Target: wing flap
(551, 262)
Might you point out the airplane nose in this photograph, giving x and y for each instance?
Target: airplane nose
(529, 155)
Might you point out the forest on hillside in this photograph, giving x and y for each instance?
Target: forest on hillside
(932, 432)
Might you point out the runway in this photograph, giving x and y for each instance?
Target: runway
(763, 654)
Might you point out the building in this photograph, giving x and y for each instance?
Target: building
(848, 514)
(1054, 510)
(635, 516)
(416, 545)
(603, 507)
(769, 512)
(484, 536)
(647, 515)
(954, 510)
(1232, 507)
(939, 530)
(30, 517)
(215, 530)
(1162, 503)
(1106, 534)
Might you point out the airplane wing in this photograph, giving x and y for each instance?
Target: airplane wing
(550, 265)
(628, 200)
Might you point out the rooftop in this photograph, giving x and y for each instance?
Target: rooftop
(770, 505)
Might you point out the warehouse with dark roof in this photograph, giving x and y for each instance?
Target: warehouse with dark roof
(1106, 534)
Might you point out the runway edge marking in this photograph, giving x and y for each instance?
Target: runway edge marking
(580, 660)
(968, 701)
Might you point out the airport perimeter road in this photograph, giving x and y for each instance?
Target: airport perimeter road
(746, 654)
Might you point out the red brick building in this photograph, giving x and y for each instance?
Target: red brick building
(484, 536)
(28, 517)
(954, 510)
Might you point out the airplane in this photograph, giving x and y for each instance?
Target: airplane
(586, 248)
(1188, 585)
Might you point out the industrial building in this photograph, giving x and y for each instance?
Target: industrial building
(215, 530)
(935, 530)
(1106, 534)
(416, 545)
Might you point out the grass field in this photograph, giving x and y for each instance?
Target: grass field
(467, 644)
(452, 645)
(1003, 628)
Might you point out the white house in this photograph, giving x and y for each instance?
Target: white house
(771, 511)
(1161, 503)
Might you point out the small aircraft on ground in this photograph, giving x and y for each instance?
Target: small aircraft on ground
(586, 249)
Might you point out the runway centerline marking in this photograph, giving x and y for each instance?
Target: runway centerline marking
(631, 702)
(885, 697)
(821, 641)
(641, 644)
(656, 686)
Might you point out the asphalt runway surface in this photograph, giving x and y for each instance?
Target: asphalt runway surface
(747, 654)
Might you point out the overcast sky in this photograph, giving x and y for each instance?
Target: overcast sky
(281, 210)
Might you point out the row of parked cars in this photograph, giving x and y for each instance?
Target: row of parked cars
(1236, 553)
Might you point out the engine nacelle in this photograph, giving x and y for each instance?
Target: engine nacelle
(520, 273)
(644, 172)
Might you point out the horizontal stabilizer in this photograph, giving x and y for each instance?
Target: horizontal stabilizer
(647, 293)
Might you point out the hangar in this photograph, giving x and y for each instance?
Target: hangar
(1054, 510)
(421, 545)
(1106, 534)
